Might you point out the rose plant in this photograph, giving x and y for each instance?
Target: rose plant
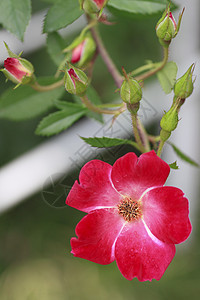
(131, 216)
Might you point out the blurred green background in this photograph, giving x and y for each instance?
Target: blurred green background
(35, 259)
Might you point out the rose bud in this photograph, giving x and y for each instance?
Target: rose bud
(130, 91)
(169, 121)
(84, 51)
(93, 6)
(184, 85)
(18, 70)
(166, 28)
(76, 81)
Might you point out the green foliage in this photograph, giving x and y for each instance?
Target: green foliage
(58, 121)
(61, 14)
(105, 142)
(174, 165)
(25, 103)
(167, 76)
(72, 107)
(135, 7)
(15, 15)
(55, 45)
(183, 156)
(95, 99)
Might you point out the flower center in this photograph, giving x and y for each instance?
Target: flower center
(129, 209)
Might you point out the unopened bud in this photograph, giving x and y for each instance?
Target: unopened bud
(169, 122)
(184, 85)
(76, 81)
(130, 91)
(18, 70)
(82, 50)
(166, 28)
(92, 6)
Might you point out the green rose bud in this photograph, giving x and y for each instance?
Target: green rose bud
(76, 81)
(166, 28)
(184, 85)
(130, 91)
(169, 122)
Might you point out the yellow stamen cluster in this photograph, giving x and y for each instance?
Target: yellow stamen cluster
(130, 209)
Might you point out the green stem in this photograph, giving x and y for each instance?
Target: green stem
(136, 132)
(44, 88)
(154, 139)
(110, 105)
(106, 58)
(96, 109)
(160, 148)
(144, 136)
(143, 68)
(154, 71)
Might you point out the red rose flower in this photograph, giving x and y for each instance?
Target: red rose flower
(132, 218)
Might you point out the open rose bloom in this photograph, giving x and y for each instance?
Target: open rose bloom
(131, 217)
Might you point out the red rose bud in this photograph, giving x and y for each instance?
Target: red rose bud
(76, 81)
(18, 70)
(84, 51)
(184, 85)
(76, 53)
(166, 28)
(93, 6)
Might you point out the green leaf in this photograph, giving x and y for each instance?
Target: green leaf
(138, 6)
(174, 165)
(55, 45)
(61, 14)
(15, 16)
(105, 142)
(183, 156)
(69, 106)
(50, 1)
(95, 99)
(58, 121)
(25, 103)
(167, 76)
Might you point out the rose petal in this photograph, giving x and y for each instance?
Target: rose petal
(132, 176)
(13, 66)
(97, 233)
(95, 189)
(139, 254)
(165, 211)
(76, 53)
